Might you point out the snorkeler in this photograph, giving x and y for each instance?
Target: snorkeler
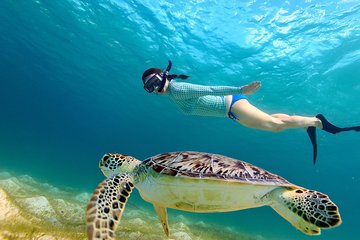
(222, 101)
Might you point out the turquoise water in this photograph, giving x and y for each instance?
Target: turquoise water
(70, 91)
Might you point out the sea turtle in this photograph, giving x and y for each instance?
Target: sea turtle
(201, 182)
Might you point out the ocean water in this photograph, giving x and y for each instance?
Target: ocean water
(71, 90)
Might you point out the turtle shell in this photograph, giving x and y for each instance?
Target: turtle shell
(211, 166)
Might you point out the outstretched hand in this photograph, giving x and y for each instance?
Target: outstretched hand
(251, 87)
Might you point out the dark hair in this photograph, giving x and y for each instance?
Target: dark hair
(150, 71)
(181, 76)
(158, 70)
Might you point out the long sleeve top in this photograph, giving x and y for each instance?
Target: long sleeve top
(201, 100)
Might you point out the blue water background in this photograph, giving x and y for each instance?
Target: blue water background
(70, 91)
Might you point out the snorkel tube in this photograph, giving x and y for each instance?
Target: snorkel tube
(164, 77)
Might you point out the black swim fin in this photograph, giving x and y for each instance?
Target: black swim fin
(311, 131)
(328, 127)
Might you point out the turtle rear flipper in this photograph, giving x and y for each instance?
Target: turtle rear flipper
(307, 210)
(106, 206)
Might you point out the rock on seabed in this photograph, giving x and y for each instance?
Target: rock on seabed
(39, 211)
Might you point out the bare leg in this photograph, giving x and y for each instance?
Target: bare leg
(298, 121)
(252, 117)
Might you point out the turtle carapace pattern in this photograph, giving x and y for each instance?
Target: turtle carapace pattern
(205, 165)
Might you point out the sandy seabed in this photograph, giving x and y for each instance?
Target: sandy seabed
(33, 210)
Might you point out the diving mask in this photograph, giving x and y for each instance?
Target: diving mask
(153, 83)
(157, 81)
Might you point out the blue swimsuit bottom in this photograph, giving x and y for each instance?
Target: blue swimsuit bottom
(235, 98)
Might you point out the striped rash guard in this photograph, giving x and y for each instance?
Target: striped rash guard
(201, 100)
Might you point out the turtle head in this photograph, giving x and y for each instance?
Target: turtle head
(112, 164)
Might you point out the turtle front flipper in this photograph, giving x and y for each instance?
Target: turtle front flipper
(106, 206)
(162, 214)
(307, 210)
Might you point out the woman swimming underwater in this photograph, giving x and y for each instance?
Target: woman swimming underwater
(222, 101)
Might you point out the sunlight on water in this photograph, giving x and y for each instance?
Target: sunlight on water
(71, 90)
